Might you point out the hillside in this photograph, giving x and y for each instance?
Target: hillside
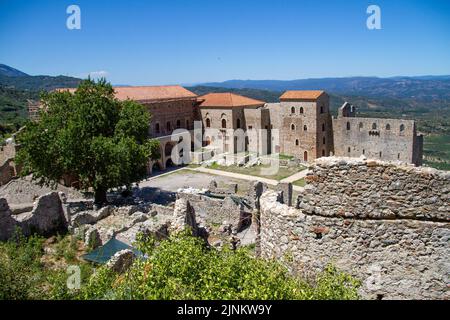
(10, 71)
(38, 83)
(420, 89)
(16, 88)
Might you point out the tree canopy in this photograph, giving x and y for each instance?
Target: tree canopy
(88, 134)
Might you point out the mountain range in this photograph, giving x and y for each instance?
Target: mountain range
(395, 96)
(16, 79)
(422, 88)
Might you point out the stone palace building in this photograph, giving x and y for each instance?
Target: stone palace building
(300, 125)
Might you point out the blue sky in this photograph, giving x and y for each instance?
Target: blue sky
(173, 41)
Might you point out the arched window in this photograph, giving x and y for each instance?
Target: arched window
(292, 110)
(208, 123)
(348, 125)
(323, 127)
(323, 153)
(305, 156)
(292, 127)
(301, 110)
(348, 149)
(224, 123)
(321, 109)
(402, 127)
(388, 127)
(380, 154)
(296, 142)
(374, 126)
(305, 128)
(323, 140)
(157, 128)
(178, 123)
(168, 126)
(364, 151)
(238, 123)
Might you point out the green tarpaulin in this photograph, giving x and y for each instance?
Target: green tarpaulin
(104, 253)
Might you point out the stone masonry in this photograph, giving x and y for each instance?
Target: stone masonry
(386, 224)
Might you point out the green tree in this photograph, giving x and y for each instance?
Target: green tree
(88, 134)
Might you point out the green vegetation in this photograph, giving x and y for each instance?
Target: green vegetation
(27, 271)
(181, 267)
(90, 135)
(39, 83)
(437, 151)
(13, 109)
(300, 183)
(283, 172)
(285, 157)
(16, 88)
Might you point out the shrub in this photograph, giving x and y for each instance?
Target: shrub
(182, 267)
(20, 268)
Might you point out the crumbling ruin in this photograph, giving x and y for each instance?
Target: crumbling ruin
(384, 223)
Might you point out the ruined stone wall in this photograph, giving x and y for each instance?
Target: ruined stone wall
(385, 224)
(8, 168)
(216, 211)
(377, 139)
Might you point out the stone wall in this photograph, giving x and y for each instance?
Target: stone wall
(217, 211)
(47, 217)
(170, 111)
(8, 168)
(384, 139)
(388, 225)
(306, 128)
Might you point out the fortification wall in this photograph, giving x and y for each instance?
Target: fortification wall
(384, 139)
(387, 225)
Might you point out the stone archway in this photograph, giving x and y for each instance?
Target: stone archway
(169, 163)
(168, 149)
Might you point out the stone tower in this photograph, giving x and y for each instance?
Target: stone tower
(306, 125)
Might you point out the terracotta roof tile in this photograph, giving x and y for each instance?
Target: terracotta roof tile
(302, 95)
(149, 93)
(228, 99)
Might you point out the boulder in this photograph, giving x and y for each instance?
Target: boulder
(121, 261)
(92, 238)
(91, 217)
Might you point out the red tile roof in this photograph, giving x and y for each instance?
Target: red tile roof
(228, 99)
(145, 93)
(302, 95)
